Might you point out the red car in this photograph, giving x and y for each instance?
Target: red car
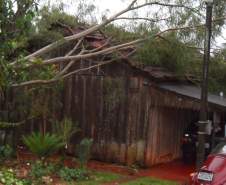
(213, 172)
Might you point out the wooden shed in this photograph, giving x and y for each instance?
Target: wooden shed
(134, 115)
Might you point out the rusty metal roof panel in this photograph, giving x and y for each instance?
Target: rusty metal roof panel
(161, 74)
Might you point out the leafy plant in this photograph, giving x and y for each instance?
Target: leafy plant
(6, 151)
(43, 145)
(65, 130)
(84, 149)
(69, 174)
(8, 177)
(39, 169)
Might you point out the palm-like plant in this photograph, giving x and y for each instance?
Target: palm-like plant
(43, 145)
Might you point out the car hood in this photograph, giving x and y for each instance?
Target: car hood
(215, 163)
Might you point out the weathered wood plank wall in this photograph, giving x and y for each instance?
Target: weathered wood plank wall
(166, 128)
(125, 119)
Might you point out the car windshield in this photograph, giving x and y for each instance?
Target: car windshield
(220, 148)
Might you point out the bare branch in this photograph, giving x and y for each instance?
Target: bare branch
(34, 82)
(67, 67)
(4, 124)
(132, 4)
(75, 48)
(82, 52)
(45, 82)
(88, 68)
(89, 55)
(68, 54)
(166, 5)
(141, 18)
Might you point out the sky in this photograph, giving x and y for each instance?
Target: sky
(109, 7)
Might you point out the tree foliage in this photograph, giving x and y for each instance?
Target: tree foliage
(16, 20)
(18, 32)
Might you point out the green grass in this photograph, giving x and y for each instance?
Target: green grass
(149, 181)
(103, 177)
(99, 178)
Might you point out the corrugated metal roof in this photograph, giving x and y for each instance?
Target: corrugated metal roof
(194, 92)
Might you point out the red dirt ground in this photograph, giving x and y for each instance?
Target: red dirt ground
(175, 171)
(101, 166)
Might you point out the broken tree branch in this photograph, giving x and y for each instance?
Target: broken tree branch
(45, 82)
(72, 62)
(89, 55)
(82, 52)
(97, 27)
(117, 47)
(79, 35)
(75, 48)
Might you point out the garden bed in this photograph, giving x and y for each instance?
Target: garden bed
(26, 172)
(35, 172)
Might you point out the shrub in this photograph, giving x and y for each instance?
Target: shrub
(6, 151)
(69, 174)
(39, 169)
(8, 177)
(43, 145)
(84, 149)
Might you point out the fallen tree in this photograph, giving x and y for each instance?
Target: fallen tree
(78, 52)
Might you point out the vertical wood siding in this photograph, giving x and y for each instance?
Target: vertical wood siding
(132, 126)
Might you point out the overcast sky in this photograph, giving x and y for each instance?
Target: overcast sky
(110, 7)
